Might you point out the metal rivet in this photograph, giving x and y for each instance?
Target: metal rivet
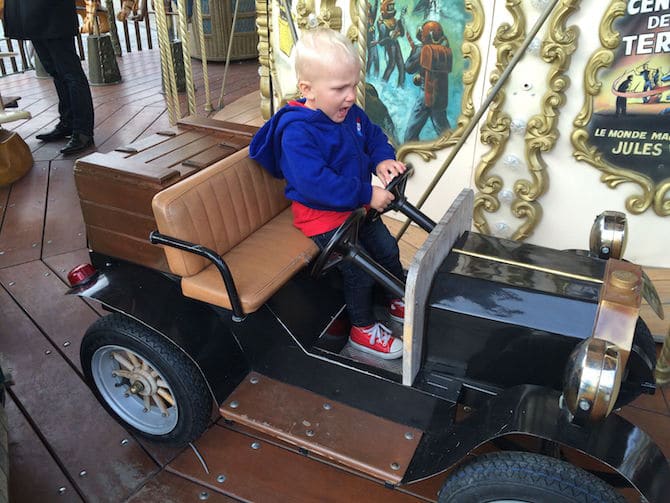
(12, 283)
(409, 435)
(47, 352)
(203, 495)
(49, 241)
(255, 445)
(234, 404)
(2, 252)
(467, 408)
(83, 473)
(309, 433)
(61, 490)
(395, 466)
(327, 406)
(253, 380)
(66, 344)
(221, 479)
(124, 441)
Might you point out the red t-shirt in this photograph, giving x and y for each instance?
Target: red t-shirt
(312, 222)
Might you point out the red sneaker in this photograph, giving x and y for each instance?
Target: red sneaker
(397, 310)
(377, 340)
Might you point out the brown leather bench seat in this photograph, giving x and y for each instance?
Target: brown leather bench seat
(237, 209)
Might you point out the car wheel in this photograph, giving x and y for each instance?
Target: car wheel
(145, 381)
(524, 477)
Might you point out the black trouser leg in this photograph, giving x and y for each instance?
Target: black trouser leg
(59, 58)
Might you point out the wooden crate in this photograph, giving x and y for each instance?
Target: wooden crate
(115, 189)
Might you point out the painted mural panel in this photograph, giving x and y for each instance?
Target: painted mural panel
(628, 128)
(415, 67)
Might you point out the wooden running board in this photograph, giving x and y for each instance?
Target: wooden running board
(348, 436)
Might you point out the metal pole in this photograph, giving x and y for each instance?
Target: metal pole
(487, 102)
(200, 32)
(186, 51)
(230, 45)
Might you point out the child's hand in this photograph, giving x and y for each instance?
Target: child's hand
(387, 170)
(381, 198)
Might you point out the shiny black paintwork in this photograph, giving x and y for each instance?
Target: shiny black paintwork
(536, 412)
(497, 320)
(154, 299)
(278, 341)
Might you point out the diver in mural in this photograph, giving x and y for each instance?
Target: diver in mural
(373, 51)
(431, 62)
(645, 73)
(622, 101)
(389, 30)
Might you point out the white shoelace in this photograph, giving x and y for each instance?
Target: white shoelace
(380, 333)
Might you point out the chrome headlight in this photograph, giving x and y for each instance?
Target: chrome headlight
(608, 235)
(592, 379)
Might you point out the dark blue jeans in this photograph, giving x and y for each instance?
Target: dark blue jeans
(75, 106)
(358, 285)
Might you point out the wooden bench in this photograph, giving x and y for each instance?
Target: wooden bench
(237, 210)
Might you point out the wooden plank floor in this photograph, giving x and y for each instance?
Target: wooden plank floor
(63, 445)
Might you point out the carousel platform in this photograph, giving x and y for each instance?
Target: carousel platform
(63, 446)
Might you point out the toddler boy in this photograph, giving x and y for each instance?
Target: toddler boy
(327, 149)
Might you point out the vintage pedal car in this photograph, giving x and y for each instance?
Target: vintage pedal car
(534, 347)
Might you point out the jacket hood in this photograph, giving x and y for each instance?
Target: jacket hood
(265, 147)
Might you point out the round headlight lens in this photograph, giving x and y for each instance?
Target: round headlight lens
(608, 235)
(592, 379)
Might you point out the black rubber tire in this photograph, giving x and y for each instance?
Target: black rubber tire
(527, 477)
(186, 382)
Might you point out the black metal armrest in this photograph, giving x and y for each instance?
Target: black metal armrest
(157, 238)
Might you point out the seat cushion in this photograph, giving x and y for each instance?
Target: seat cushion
(260, 265)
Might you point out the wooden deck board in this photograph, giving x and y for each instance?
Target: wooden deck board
(28, 456)
(65, 412)
(21, 233)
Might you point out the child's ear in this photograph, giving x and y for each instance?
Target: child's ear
(305, 88)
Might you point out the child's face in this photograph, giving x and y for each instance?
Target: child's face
(333, 90)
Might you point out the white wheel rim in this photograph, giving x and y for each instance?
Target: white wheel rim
(135, 390)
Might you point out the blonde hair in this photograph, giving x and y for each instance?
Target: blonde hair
(322, 46)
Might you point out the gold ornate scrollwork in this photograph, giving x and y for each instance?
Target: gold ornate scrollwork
(652, 195)
(496, 130)
(471, 34)
(542, 129)
(263, 29)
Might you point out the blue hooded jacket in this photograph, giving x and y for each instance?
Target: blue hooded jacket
(327, 165)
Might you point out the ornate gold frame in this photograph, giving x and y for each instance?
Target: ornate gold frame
(542, 129)
(653, 195)
(495, 132)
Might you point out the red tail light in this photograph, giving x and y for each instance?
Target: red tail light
(81, 274)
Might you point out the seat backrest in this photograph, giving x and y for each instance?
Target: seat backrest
(217, 208)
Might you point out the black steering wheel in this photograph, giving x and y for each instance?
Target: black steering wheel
(342, 241)
(397, 188)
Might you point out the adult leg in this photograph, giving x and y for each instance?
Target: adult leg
(43, 51)
(68, 67)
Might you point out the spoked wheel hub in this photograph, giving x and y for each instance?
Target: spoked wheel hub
(134, 389)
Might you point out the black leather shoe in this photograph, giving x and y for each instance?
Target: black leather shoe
(57, 133)
(77, 143)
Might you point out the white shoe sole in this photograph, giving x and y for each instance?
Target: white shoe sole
(383, 356)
